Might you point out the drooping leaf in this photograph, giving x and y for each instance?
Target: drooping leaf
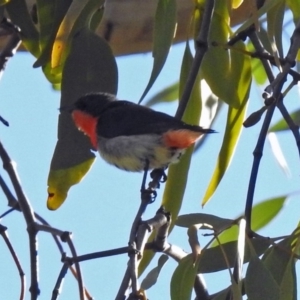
(164, 29)
(60, 181)
(78, 16)
(50, 15)
(89, 67)
(19, 15)
(234, 124)
(231, 78)
(152, 276)
(183, 278)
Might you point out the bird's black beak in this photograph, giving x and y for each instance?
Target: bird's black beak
(67, 108)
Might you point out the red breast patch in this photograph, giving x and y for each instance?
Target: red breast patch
(181, 138)
(87, 124)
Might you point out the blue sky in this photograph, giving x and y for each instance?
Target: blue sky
(100, 210)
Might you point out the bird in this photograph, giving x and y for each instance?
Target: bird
(132, 137)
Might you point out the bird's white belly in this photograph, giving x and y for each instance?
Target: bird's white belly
(132, 152)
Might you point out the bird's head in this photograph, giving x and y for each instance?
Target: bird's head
(86, 110)
(92, 104)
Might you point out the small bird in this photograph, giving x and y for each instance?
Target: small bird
(130, 136)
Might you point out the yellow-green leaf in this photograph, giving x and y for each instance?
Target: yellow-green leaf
(235, 118)
(50, 15)
(262, 214)
(90, 67)
(236, 3)
(164, 29)
(265, 211)
(60, 181)
(78, 16)
(230, 78)
(183, 278)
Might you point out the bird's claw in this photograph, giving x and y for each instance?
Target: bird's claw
(149, 195)
(159, 173)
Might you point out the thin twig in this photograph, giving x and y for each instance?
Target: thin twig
(202, 46)
(16, 260)
(273, 93)
(12, 201)
(28, 214)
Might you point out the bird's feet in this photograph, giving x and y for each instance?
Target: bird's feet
(158, 176)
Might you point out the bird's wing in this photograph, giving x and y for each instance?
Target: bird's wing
(127, 118)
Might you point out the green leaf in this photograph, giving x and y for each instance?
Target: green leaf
(266, 211)
(89, 67)
(152, 276)
(164, 29)
(229, 235)
(183, 278)
(191, 219)
(231, 78)
(19, 15)
(212, 259)
(262, 214)
(288, 286)
(280, 262)
(259, 283)
(234, 125)
(168, 94)
(281, 125)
